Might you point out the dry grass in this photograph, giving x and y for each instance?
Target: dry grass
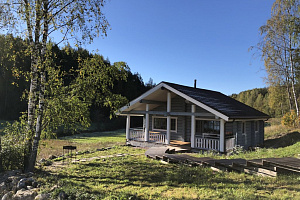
(83, 142)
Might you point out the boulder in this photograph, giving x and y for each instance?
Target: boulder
(8, 196)
(22, 184)
(42, 197)
(3, 187)
(25, 195)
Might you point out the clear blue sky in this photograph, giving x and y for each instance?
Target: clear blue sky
(182, 40)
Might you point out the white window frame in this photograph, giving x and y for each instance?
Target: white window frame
(155, 129)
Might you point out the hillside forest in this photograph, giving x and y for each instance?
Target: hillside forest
(14, 84)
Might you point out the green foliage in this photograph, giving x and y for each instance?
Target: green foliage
(12, 145)
(13, 59)
(290, 119)
(257, 98)
(280, 51)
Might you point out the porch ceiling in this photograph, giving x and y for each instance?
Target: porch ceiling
(159, 95)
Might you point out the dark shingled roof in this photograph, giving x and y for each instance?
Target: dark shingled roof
(220, 102)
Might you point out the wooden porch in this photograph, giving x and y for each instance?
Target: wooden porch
(202, 142)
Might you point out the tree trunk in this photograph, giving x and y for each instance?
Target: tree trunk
(31, 109)
(293, 84)
(39, 121)
(42, 47)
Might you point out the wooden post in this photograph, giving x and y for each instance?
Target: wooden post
(147, 124)
(193, 127)
(128, 128)
(168, 118)
(222, 135)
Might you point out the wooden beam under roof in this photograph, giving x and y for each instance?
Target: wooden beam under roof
(168, 113)
(152, 102)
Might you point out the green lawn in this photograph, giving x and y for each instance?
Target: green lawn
(134, 176)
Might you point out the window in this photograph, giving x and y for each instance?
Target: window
(160, 123)
(243, 127)
(211, 127)
(198, 126)
(256, 126)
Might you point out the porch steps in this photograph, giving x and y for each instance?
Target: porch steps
(268, 167)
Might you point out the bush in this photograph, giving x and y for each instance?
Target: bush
(12, 147)
(290, 119)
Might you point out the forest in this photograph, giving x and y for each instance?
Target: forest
(14, 86)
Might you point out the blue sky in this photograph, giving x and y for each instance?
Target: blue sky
(182, 40)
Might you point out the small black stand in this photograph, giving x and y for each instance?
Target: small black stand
(69, 148)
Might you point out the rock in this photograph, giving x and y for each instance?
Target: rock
(8, 196)
(30, 187)
(42, 197)
(62, 195)
(51, 157)
(35, 184)
(2, 187)
(42, 160)
(25, 195)
(22, 184)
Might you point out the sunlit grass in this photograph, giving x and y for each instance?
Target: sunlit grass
(137, 177)
(133, 176)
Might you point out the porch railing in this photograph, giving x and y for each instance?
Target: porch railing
(157, 137)
(139, 135)
(136, 134)
(213, 144)
(209, 144)
(230, 143)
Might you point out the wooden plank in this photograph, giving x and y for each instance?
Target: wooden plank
(287, 162)
(267, 171)
(254, 162)
(219, 169)
(283, 170)
(157, 151)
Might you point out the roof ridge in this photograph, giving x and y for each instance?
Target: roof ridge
(191, 87)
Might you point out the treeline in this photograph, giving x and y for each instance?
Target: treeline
(14, 80)
(258, 98)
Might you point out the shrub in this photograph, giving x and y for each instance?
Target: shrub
(290, 119)
(12, 147)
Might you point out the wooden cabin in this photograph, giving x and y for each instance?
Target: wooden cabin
(209, 120)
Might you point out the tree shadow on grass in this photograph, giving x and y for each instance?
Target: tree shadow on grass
(118, 176)
(283, 141)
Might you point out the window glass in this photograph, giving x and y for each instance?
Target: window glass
(211, 127)
(256, 125)
(243, 127)
(161, 123)
(198, 126)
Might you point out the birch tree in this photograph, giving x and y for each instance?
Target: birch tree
(36, 21)
(280, 48)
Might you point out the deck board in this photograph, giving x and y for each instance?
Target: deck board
(270, 167)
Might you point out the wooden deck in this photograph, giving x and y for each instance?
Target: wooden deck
(270, 167)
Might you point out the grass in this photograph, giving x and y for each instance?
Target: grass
(137, 177)
(134, 176)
